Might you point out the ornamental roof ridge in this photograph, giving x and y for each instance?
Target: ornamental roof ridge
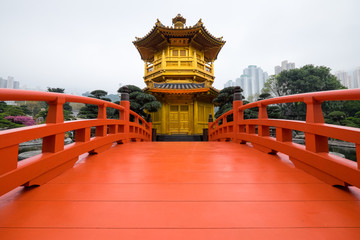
(137, 39)
(217, 38)
(157, 26)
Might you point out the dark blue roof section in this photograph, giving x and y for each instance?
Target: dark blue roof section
(179, 85)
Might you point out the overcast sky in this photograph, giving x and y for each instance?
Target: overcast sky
(83, 45)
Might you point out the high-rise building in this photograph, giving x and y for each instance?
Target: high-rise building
(229, 83)
(277, 70)
(252, 80)
(285, 66)
(356, 78)
(3, 83)
(10, 82)
(16, 84)
(344, 78)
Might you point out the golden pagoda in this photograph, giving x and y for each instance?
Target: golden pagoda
(179, 72)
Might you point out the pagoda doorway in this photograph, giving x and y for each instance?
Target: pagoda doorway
(179, 119)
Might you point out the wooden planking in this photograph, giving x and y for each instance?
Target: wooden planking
(111, 214)
(180, 234)
(184, 190)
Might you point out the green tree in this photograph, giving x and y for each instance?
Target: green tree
(302, 80)
(306, 79)
(336, 116)
(67, 109)
(274, 111)
(224, 100)
(11, 110)
(90, 111)
(6, 124)
(25, 109)
(99, 93)
(270, 87)
(66, 105)
(3, 106)
(141, 102)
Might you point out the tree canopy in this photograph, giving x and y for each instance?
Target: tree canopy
(66, 107)
(141, 102)
(8, 113)
(308, 78)
(90, 111)
(224, 100)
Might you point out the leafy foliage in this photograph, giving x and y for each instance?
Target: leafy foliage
(273, 111)
(66, 105)
(5, 124)
(224, 100)
(141, 102)
(302, 80)
(11, 110)
(98, 93)
(90, 111)
(337, 116)
(23, 120)
(306, 79)
(67, 109)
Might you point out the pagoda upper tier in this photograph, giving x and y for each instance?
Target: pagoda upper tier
(196, 36)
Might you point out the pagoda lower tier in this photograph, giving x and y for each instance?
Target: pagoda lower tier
(185, 107)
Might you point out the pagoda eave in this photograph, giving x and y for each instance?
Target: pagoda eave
(179, 91)
(197, 34)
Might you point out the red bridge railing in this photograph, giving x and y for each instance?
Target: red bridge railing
(314, 157)
(56, 157)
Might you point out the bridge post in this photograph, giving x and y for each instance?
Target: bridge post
(101, 131)
(124, 101)
(313, 142)
(263, 131)
(210, 127)
(238, 115)
(317, 144)
(149, 120)
(54, 143)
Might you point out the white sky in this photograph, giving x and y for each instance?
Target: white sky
(83, 45)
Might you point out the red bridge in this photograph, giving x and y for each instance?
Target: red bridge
(242, 184)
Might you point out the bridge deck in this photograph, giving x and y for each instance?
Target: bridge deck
(182, 190)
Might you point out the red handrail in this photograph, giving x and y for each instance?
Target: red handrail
(55, 157)
(314, 157)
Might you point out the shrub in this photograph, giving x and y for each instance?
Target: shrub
(24, 120)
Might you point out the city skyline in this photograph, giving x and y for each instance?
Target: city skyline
(86, 45)
(251, 81)
(349, 79)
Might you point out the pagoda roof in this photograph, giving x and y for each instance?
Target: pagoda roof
(181, 88)
(198, 36)
(186, 86)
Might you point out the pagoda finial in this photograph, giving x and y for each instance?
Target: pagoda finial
(179, 21)
(158, 23)
(199, 23)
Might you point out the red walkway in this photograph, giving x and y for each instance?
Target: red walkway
(184, 190)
